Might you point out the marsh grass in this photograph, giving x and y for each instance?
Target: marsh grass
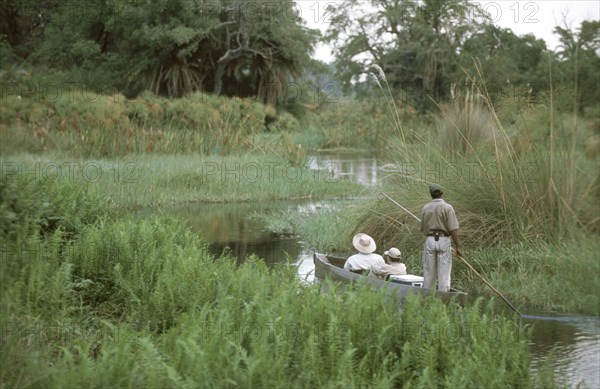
(255, 328)
(324, 229)
(86, 124)
(464, 126)
(143, 304)
(100, 301)
(529, 217)
(561, 277)
(502, 194)
(42, 206)
(142, 180)
(558, 277)
(353, 124)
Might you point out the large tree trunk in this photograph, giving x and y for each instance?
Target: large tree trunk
(219, 77)
(229, 56)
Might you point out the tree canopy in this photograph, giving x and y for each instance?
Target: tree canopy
(253, 49)
(579, 61)
(426, 46)
(172, 47)
(416, 43)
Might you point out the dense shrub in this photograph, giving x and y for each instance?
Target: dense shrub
(37, 114)
(40, 205)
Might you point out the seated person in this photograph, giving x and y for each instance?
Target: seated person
(392, 264)
(366, 257)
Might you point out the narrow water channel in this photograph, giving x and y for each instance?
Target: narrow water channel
(574, 341)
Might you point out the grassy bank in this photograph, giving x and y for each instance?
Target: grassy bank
(143, 304)
(84, 124)
(45, 113)
(145, 180)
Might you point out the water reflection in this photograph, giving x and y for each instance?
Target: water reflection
(272, 252)
(363, 169)
(235, 230)
(575, 342)
(306, 267)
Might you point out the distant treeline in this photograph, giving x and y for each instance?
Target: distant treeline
(256, 49)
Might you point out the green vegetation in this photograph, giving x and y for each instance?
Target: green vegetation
(431, 47)
(78, 279)
(145, 180)
(84, 124)
(549, 276)
(514, 201)
(131, 104)
(326, 230)
(517, 191)
(123, 303)
(170, 47)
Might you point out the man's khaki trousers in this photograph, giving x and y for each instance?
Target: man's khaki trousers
(437, 263)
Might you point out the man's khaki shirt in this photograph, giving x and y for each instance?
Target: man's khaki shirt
(438, 215)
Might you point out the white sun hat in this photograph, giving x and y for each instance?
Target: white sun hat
(363, 243)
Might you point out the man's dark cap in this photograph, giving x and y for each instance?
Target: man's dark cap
(436, 189)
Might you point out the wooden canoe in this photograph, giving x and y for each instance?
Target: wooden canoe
(331, 267)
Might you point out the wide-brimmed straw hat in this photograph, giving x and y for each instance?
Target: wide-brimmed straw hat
(393, 253)
(364, 243)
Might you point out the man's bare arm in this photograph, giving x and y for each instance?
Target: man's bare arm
(454, 235)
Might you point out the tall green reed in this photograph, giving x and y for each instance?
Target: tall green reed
(502, 193)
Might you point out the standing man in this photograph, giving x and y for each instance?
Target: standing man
(438, 223)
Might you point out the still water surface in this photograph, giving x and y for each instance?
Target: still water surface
(234, 228)
(575, 343)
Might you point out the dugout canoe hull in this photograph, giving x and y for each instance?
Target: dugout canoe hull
(331, 267)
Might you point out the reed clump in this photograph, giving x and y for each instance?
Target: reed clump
(356, 124)
(547, 191)
(325, 228)
(464, 125)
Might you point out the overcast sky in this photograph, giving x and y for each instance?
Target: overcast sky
(537, 17)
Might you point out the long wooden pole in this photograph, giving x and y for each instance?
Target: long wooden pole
(487, 283)
(398, 204)
(461, 257)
